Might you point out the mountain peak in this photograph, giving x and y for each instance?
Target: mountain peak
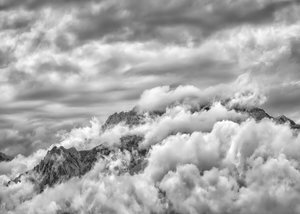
(130, 118)
(283, 119)
(62, 163)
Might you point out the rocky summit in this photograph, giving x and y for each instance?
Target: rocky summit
(259, 114)
(61, 164)
(129, 118)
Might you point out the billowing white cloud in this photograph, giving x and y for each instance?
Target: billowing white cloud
(243, 91)
(180, 120)
(21, 164)
(219, 161)
(157, 99)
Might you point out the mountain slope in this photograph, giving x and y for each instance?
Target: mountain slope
(259, 114)
(61, 164)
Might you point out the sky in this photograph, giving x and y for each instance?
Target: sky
(63, 62)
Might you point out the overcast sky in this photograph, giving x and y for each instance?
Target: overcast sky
(64, 61)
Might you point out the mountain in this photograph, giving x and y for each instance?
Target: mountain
(131, 143)
(4, 157)
(129, 118)
(259, 114)
(283, 119)
(61, 164)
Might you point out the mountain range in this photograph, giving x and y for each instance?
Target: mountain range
(61, 164)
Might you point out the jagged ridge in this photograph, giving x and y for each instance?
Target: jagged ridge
(61, 164)
(130, 118)
(259, 114)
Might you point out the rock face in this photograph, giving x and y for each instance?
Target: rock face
(254, 112)
(131, 144)
(4, 157)
(130, 118)
(283, 119)
(259, 114)
(61, 164)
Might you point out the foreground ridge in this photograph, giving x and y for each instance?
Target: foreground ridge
(61, 164)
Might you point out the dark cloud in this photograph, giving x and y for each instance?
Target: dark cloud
(6, 57)
(42, 94)
(96, 98)
(102, 24)
(210, 70)
(17, 143)
(24, 137)
(34, 4)
(13, 109)
(16, 20)
(284, 98)
(142, 20)
(135, 21)
(63, 67)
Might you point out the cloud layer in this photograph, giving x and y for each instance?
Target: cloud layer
(213, 160)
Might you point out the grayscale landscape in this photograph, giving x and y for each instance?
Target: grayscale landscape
(149, 106)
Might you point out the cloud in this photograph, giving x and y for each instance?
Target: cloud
(63, 62)
(159, 98)
(191, 192)
(207, 161)
(243, 91)
(261, 160)
(96, 193)
(78, 67)
(36, 4)
(182, 120)
(142, 20)
(21, 164)
(193, 149)
(80, 138)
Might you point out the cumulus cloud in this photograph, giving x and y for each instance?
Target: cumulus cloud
(21, 164)
(159, 98)
(235, 166)
(243, 91)
(95, 192)
(181, 120)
